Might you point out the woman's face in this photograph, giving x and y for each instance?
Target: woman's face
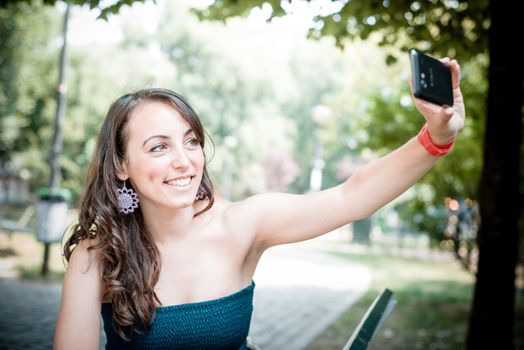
(164, 161)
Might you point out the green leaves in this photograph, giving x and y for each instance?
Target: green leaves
(105, 10)
(25, 96)
(446, 28)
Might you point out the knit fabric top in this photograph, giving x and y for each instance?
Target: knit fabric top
(221, 323)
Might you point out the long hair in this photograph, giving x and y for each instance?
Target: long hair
(129, 261)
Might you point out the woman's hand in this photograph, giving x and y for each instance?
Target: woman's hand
(444, 123)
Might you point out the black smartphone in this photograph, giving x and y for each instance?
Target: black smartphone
(431, 79)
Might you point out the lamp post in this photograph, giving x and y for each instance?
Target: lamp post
(52, 208)
(319, 114)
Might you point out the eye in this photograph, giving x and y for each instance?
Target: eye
(192, 143)
(158, 148)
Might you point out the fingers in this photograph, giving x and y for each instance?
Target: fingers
(455, 74)
(455, 70)
(410, 81)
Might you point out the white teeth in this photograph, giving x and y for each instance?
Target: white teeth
(180, 182)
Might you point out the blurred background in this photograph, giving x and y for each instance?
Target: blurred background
(295, 96)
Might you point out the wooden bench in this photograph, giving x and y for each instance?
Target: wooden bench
(21, 224)
(372, 321)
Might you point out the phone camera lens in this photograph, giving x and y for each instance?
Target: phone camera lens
(422, 75)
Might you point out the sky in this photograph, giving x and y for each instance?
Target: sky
(85, 29)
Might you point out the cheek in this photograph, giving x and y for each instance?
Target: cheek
(198, 160)
(146, 169)
(156, 170)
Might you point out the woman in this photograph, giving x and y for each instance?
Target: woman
(170, 267)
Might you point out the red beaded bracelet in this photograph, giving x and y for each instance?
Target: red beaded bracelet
(434, 150)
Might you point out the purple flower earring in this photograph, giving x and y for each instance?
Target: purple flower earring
(127, 200)
(200, 195)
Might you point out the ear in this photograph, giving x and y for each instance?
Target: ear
(122, 172)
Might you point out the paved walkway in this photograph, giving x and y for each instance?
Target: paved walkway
(298, 294)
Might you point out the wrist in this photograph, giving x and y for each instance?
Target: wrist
(435, 150)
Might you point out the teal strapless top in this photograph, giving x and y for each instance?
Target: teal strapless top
(214, 324)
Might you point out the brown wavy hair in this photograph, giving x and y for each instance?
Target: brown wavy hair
(129, 260)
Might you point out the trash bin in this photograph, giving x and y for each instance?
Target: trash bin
(51, 213)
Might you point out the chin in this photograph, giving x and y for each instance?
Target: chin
(184, 203)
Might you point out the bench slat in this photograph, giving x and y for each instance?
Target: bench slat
(372, 321)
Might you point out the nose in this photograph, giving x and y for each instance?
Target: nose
(180, 159)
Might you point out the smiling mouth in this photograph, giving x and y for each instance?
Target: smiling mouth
(180, 182)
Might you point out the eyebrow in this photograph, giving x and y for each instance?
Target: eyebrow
(165, 137)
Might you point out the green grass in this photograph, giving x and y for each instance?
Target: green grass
(34, 273)
(432, 310)
(26, 256)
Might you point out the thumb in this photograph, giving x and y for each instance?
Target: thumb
(446, 113)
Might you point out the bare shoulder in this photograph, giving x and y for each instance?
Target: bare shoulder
(82, 280)
(79, 318)
(235, 220)
(237, 213)
(85, 259)
(247, 215)
(250, 209)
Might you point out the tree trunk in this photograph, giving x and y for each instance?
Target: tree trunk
(492, 314)
(56, 148)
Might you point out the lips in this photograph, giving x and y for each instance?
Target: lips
(180, 182)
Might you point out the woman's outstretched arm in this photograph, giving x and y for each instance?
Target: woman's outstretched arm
(284, 218)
